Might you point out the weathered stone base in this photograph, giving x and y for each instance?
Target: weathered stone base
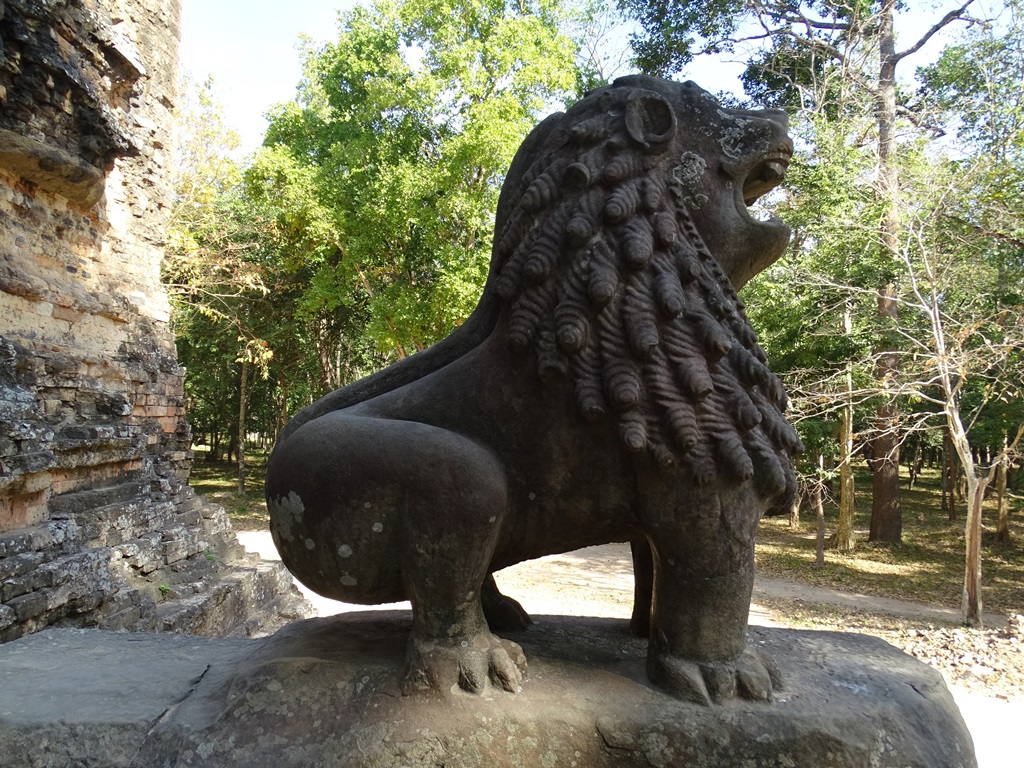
(324, 692)
(152, 562)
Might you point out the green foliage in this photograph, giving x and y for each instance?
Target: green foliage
(958, 256)
(967, 253)
(781, 77)
(978, 85)
(214, 265)
(385, 170)
(361, 230)
(804, 35)
(814, 309)
(674, 32)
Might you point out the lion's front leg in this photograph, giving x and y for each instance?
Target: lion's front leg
(703, 579)
(698, 647)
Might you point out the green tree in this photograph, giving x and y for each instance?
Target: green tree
(793, 49)
(815, 306)
(213, 268)
(959, 334)
(965, 350)
(386, 168)
(966, 266)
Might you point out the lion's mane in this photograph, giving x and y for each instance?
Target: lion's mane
(604, 277)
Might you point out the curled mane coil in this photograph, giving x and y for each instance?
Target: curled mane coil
(605, 276)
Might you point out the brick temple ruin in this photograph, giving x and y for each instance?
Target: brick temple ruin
(98, 526)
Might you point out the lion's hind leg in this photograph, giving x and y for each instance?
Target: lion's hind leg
(503, 613)
(450, 527)
(399, 509)
(453, 501)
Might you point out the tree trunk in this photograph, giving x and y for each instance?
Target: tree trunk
(886, 522)
(819, 557)
(949, 474)
(912, 464)
(214, 454)
(241, 426)
(794, 510)
(282, 414)
(971, 608)
(844, 538)
(1002, 504)
(886, 515)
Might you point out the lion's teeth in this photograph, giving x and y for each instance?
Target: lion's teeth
(772, 171)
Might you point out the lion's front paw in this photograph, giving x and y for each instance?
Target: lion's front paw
(468, 664)
(751, 675)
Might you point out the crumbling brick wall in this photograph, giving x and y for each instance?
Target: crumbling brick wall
(97, 524)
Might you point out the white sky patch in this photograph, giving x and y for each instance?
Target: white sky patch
(251, 49)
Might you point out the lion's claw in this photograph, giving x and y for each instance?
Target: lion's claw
(473, 671)
(508, 666)
(752, 675)
(469, 664)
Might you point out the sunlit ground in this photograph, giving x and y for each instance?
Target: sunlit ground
(928, 566)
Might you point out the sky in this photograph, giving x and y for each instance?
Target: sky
(251, 49)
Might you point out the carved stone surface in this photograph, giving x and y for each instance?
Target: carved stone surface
(607, 388)
(326, 692)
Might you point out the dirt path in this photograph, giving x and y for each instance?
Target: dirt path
(598, 581)
(788, 589)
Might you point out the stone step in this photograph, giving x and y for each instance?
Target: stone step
(122, 521)
(245, 600)
(66, 504)
(54, 536)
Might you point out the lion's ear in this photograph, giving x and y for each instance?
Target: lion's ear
(650, 120)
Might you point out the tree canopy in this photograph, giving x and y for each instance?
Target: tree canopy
(385, 169)
(360, 231)
(905, 265)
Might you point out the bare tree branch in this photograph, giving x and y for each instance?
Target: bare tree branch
(945, 21)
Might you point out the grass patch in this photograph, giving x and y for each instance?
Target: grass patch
(218, 481)
(927, 567)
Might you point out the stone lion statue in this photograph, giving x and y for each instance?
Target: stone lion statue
(608, 387)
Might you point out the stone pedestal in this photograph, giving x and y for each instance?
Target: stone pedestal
(324, 692)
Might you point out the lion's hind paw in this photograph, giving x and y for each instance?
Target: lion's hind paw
(503, 613)
(467, 665)
(752, 675)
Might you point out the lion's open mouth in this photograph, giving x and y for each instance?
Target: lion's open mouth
(766, 175)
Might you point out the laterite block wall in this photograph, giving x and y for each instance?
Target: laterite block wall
(97, 524)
